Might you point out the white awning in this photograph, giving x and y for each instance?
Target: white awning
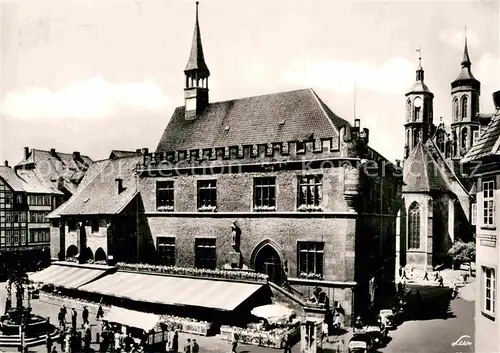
(137, 319)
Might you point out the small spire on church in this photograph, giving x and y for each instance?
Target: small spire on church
(196, 60)
(420, 70)
(466, 59)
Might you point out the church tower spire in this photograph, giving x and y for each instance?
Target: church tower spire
(465, 91)
(197, 73)
(419, 110)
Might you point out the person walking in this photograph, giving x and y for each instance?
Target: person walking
(426, 276)
(436, 276)
(85, 315)
(48, 343)
(286, 343)
(73, 319)
(234, 343)
(440, 281)
(187, 346)
(195, 348)
(404, 274)
(100, 313)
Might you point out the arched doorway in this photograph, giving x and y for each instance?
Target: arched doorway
(72, 251)
(268, 261)
(100, 255)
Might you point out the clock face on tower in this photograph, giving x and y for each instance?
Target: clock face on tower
(417, 103)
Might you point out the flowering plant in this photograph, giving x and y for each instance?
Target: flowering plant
(310, 208)
(264, 208)
(196, 272)
(165, 208)
(207, 209)
(311, 275)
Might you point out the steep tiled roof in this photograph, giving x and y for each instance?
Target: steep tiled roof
(10, 177)
(52, 166)
(278, 117)
(422, 173)
(98, 193)
(488, 142)
(26, 181)
(120, 154)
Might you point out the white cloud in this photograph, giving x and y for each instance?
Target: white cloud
(488, 69)
(456, 38)
(91, 98)
(392, 77)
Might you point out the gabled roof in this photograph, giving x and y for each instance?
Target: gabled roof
(26, 181)
(120, 154)
(98, 192)
(54, 167)
(9, 175)
(422, 173)
(488, 143)
(277, 117)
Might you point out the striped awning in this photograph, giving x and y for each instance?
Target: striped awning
(171, 290)
(70, 277)
(132, 318)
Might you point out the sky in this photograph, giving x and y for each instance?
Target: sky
(92, 76)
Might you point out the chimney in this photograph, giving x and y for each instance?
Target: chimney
(145, 151)
(496, 99)
(120, 185)
(6, 163)
(76, 155)
(138, 150)
(53, 151)
(26, 152)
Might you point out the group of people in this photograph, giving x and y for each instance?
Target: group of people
(72, 339)
(437, 276)
(115, 341)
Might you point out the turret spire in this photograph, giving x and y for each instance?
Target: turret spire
(466, 59)
(196, 60)
(420, 70)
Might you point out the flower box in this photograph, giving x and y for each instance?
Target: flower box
(187, 325)
(165, 208)
(310, 208)
(207, 209)
(264, 208)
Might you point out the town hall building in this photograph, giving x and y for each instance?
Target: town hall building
(439, 197)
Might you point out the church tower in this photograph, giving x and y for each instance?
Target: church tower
(465, 91)
(197, 73)
(419, 110)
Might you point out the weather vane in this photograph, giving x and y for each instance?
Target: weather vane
(419, 51)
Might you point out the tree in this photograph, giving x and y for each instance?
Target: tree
(462, 252)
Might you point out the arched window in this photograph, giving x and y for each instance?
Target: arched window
(463, 109)
(408, 138)
(414, 226)
(455, 109)
(464, 138)
(408, 110)
(441, 141)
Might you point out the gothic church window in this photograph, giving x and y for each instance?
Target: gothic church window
(455, 109)
(464, 103)
(414, 226)
(464, 138)
(408, 110)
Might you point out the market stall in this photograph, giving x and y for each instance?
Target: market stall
(277, 324)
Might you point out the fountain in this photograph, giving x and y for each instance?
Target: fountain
(19, 327)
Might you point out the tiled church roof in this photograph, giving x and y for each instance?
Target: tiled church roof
(422, 172)
(284, 116)
(488, 143)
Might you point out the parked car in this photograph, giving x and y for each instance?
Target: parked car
(387, 318)
(377, 333)
(360, 343)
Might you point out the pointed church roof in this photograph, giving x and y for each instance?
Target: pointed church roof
(465, 77)
(196, 60)
(419, 86)
(422, 173)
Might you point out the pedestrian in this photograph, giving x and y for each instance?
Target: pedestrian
(175, 341)
(187, 346)
(426, 276)
(86, 341)
(234, 343)
(60, 318)
(286, 343)
(64, 311)
(100, 313)
(195, 348)
(440, 281)
(48, 343)
(324, 329)
(85, 315)
(404, 274)
(436, 276)
(73, 319)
